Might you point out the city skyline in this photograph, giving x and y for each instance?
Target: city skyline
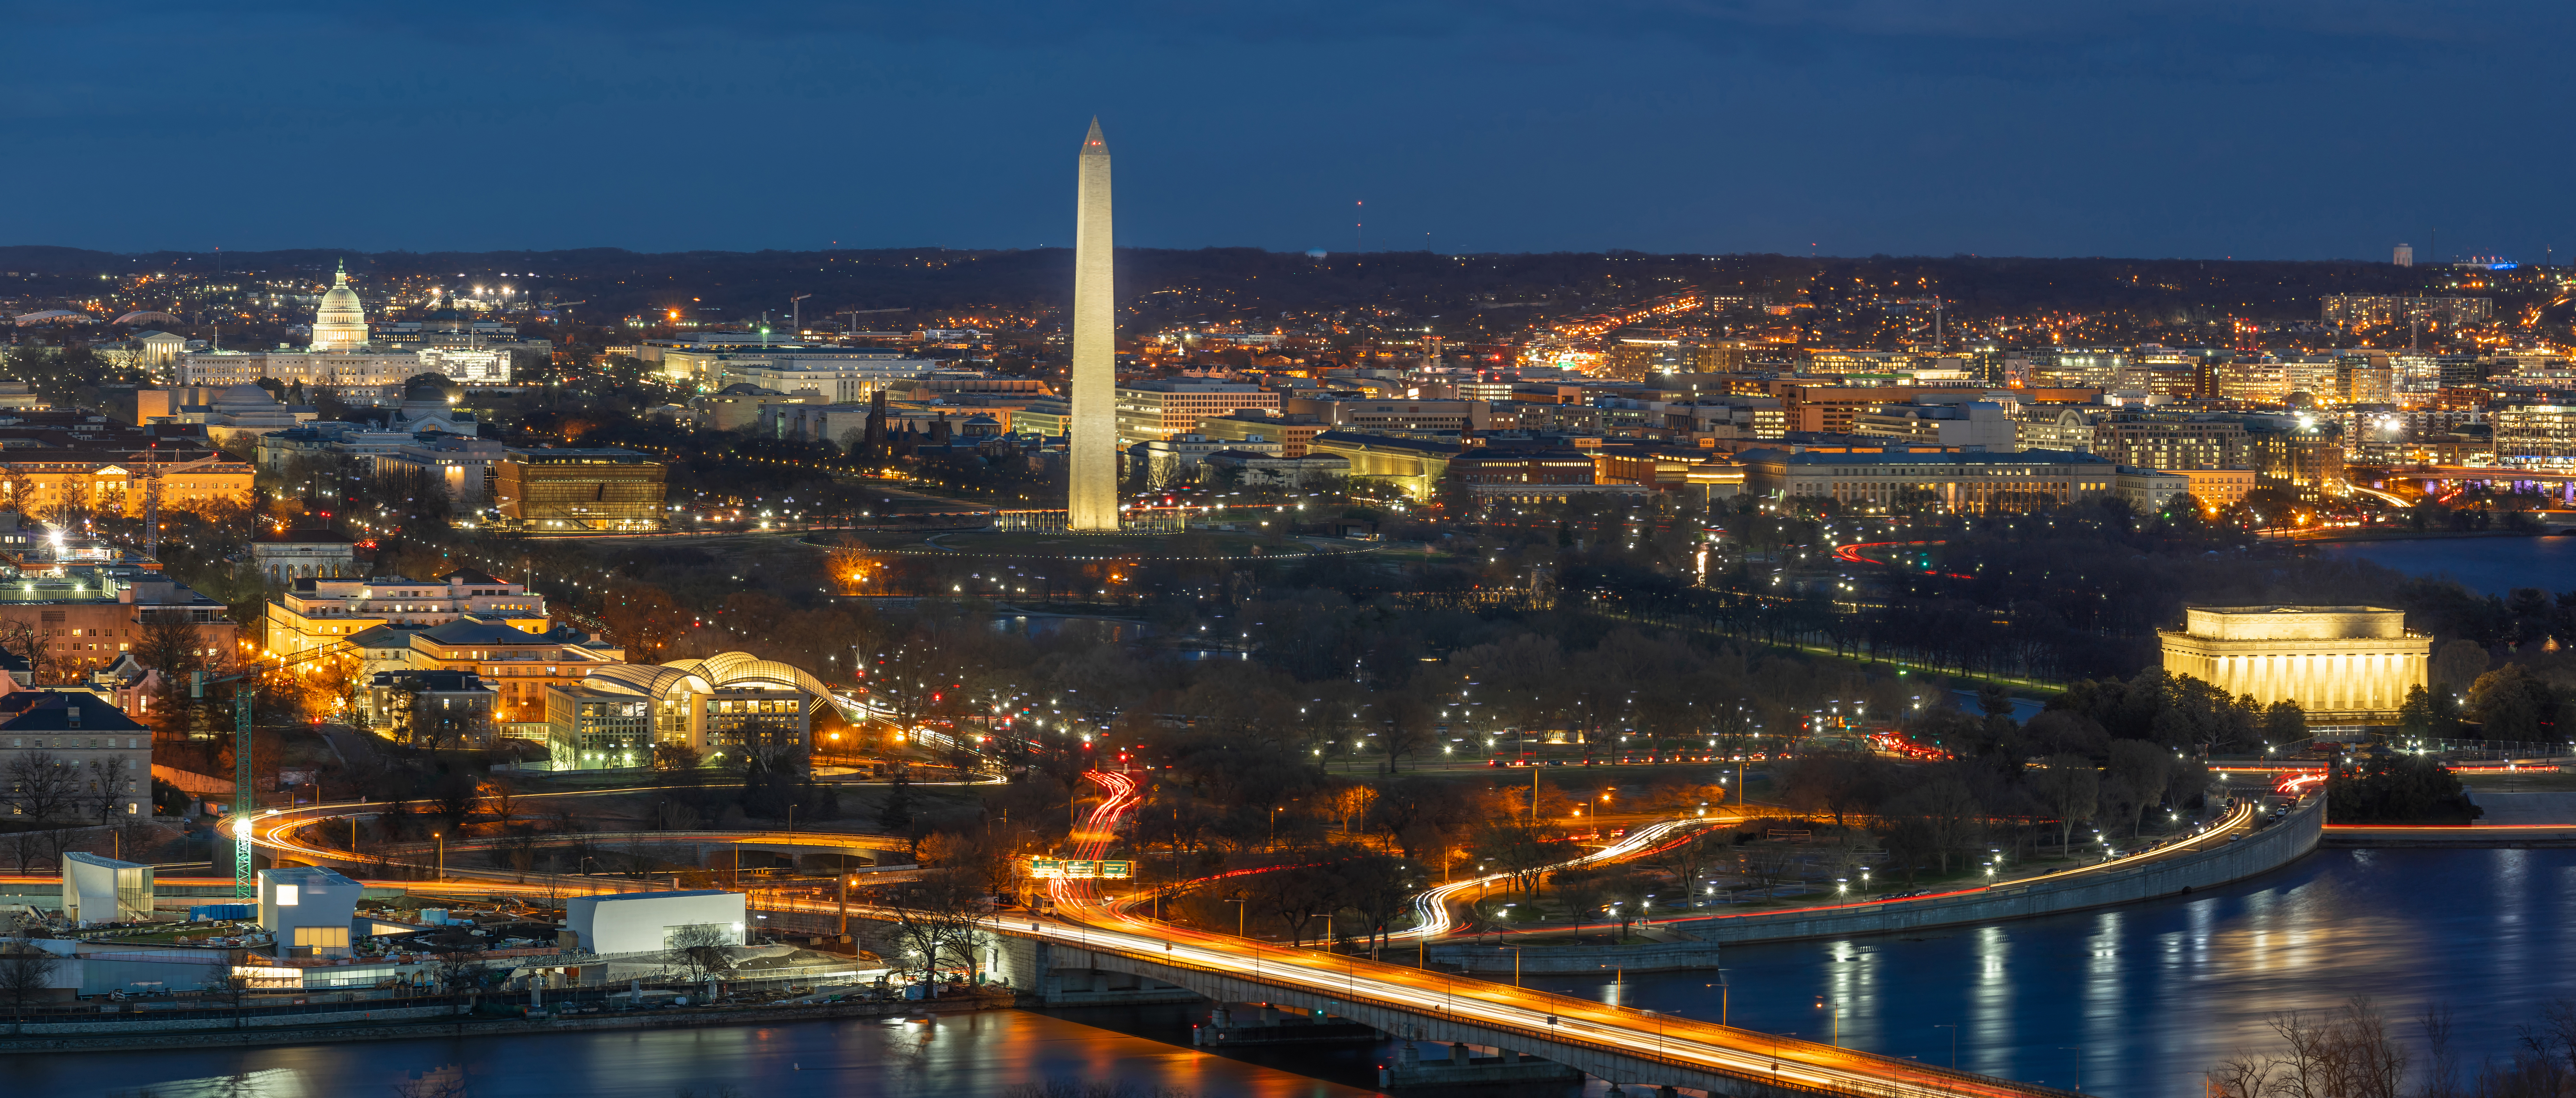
(2200, 131)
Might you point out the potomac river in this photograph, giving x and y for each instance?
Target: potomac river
(2139, 1000)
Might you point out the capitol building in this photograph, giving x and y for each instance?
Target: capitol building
(341, 359)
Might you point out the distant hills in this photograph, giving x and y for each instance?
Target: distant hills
(1250, 284)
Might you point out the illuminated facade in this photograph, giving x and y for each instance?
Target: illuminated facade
(341, 323)
(1091, 496)
(2339, 663)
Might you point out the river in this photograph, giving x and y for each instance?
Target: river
(2489, 566)
(2139, 999)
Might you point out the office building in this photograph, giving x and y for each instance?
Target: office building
(1291, 432)
(318, 613)
(2376, 310)
(1153, 409)
(2307, 461)
(2171, 443)
(2535, 435)
(1898, 479)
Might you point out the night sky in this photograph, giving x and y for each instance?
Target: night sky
(2269, 128)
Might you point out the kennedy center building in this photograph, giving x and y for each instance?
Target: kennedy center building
(1091, 498)
(2340, 663)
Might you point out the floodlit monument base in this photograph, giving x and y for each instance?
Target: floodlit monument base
(1060, 522)
(2342, 664)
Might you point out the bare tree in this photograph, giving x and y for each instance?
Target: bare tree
(2345, 1053)
(701, 950)
(26, 975)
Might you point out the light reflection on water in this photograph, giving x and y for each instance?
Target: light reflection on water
(2144, 997)
(2149, 996)
(977, 1054)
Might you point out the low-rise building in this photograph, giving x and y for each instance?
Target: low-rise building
(1415, 467)
(430, 708)
(284, 556)
(1291, 432)
(84, 618)
(103, 759)
(1157, 409)
(1249, 469)
(308, 910)
(1896, 479)
(318, 613)
(565, 490)
(647, 922)
(517, 664)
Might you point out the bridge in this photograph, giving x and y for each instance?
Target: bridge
(1095, 938)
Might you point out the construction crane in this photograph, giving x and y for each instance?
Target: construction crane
(246, 685)
(855, 314)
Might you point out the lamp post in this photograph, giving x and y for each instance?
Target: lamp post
(441, 836)
(1953, 1027)
(1835, 1005)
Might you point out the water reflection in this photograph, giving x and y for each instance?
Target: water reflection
(979, 1054)
(2142, 999)
(2139, 1000)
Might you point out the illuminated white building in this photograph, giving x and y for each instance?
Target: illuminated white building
(340, 358)
(2339, 663)
(341, 324)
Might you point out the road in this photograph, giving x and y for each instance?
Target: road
(1087, 922)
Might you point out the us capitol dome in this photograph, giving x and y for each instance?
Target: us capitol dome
(341, 325)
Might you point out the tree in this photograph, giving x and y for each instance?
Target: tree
(2458, 663)
(2429, 714)
(1349, 802)
(44, 787)
(2071, 790)
(106, 795)
(700, 949)
(675, 755)
(459, 970)
(2343, 1054)
(1691, 860)
(2388, 787)
(27, 974)
(2284, 722)
(2513, 706)
(1299, 895)
(2137, 779)
(1521, 850)
(894, 815)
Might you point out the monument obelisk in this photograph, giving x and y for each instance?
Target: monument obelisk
(1091, 498)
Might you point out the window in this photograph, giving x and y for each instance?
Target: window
(322, 937)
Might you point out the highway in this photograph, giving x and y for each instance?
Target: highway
(1084, 921)
(1087, 922)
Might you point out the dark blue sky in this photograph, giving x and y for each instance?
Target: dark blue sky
(2252, 128)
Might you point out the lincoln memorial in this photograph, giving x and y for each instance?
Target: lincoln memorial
(2340, 663)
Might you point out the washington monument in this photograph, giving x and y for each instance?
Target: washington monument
(1091, 499)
